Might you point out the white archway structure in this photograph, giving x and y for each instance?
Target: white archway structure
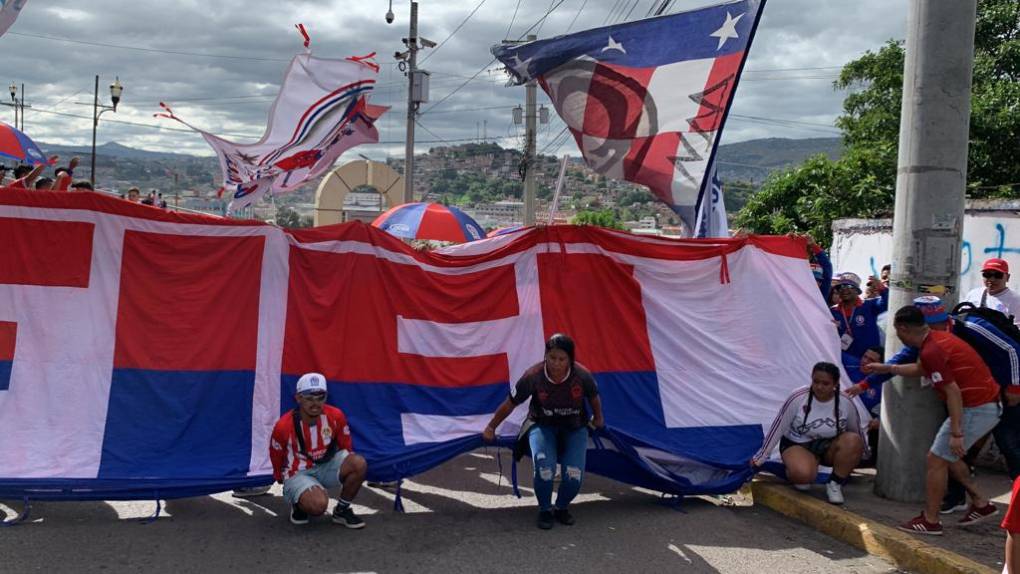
(329, 197)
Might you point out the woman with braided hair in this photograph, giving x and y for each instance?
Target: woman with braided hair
(817, 426)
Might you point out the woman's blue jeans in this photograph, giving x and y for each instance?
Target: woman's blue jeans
(545, 455)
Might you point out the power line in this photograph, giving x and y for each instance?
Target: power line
(512, 20)
(139, 49)
(455, 30)
(579, 10)
(632, 7)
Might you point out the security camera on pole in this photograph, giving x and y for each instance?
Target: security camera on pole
(417, 90)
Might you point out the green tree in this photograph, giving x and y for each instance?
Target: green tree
(604, 218)
(862, 183)
(288, 217)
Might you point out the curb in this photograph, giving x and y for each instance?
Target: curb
(903, 549)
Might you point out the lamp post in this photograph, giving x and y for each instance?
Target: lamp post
(417, 90)
(14, 99)
(116, 89)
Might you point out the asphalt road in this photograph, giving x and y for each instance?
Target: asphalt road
(460, 517)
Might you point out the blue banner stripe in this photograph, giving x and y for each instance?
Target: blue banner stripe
(178, 424)
(5, 374)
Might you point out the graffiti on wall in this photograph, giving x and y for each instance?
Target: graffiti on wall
(984, 236)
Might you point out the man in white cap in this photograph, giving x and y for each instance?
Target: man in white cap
(312, 451)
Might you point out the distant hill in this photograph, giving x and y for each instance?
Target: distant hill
(120, 166)
(112, 149)
(753, 160)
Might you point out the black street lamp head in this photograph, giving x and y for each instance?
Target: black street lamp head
(116, 89)
(14, 92)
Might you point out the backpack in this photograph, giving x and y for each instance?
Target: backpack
(965, 313)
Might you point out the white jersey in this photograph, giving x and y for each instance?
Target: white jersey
(1007, 301)
(802, 425)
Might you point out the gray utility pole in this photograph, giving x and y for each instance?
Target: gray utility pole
(530, 125)
(412, 106)
(928, 221)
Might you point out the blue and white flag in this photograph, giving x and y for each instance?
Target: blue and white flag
(712, 220)
(646, 101)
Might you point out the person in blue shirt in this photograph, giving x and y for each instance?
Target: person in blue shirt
(822, 269)
(856, 318)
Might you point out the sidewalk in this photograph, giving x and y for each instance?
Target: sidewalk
(868, 522)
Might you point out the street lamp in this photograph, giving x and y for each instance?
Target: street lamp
(14, 99)
(14, 103)
(116, 89)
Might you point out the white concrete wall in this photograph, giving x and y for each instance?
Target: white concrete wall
(864, 246)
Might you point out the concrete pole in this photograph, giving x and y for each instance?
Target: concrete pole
(412, 107)
(928, 222)
(530, 124)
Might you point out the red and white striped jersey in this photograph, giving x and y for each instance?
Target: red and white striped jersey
(285, 452)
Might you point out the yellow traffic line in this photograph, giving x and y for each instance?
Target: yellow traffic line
(903, 549)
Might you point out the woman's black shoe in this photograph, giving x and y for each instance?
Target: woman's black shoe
(545, 519)
(564, 517)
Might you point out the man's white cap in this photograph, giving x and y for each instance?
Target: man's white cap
(311, 383)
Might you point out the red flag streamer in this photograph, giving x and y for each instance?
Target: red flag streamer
(366, 60)
(301, 28)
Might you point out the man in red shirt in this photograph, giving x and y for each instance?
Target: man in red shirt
(311, 450)
(962, 379)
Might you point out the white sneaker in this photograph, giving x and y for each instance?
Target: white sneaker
(802, 487)
(834, 491)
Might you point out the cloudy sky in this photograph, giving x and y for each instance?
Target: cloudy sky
(219, 64)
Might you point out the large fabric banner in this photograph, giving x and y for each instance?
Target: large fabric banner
(148, 354)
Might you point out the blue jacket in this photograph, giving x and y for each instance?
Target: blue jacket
(863, 324)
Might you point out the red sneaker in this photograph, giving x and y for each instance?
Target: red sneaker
(920, 525)
(975, 515)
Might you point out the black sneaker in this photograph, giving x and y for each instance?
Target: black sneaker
(545, 519)
(298, 516)
(563, 516)
(347, 517)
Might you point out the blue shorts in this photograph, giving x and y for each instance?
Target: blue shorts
(325, 475)
(977, 422)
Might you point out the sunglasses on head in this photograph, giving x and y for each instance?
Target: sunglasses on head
(992, 274)
(317, 397)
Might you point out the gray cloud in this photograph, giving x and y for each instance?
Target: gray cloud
(254, 39)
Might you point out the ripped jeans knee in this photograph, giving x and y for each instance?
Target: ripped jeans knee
(545, 469)
(572, 473)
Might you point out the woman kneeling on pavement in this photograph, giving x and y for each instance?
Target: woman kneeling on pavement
(558, 421)
(809, 435)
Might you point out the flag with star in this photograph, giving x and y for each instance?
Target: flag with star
(646, 101)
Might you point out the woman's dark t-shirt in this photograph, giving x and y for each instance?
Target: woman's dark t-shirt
(560, 405)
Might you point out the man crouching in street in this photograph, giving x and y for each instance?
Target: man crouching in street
(312, 451)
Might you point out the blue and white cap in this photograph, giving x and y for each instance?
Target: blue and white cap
(933, 308)
(311, 383)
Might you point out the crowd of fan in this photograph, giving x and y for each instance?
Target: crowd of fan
(34, 177)
(967, 355)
